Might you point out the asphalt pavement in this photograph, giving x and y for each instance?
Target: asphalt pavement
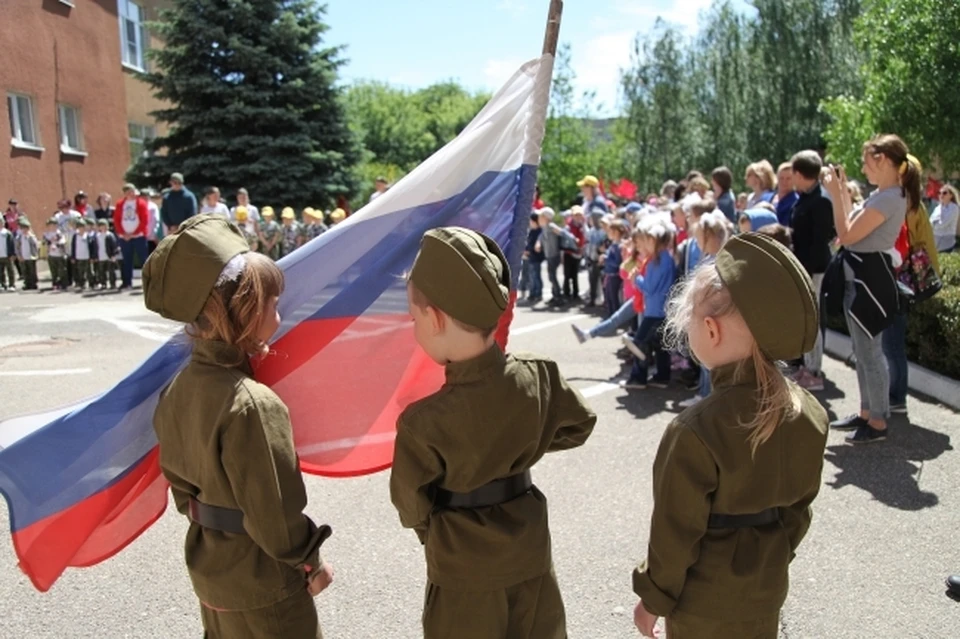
(873, 564)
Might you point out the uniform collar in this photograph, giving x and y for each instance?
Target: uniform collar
(742, 373)
(475, 369)
(217, 353)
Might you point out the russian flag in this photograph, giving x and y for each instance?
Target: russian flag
(83, 482)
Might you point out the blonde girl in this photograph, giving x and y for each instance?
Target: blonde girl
(945, 217)
(735, 476)
(226, 445)
(762, 181)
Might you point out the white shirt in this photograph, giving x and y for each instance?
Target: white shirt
(3, 242)
(375, 195)
(253, 213)
(25, 251)
(54, 249)
(63, 220)
(153, 220)
(129, 220)
(944, 222)
(219, 209)
(102, 245)
(83, 249)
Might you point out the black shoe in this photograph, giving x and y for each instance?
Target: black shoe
(953, 585)
(853, 422)
(867, 434)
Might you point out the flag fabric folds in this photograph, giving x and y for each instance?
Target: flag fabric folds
(83, 482)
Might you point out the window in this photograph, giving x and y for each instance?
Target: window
(133, 34)
(71, 135)
(23, 128)
(138, 135)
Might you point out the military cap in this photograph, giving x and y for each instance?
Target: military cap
(88, 222)
(183, 269)
(51, 220)
(773, 293)
(288, 214)
(266, 211)
(176, 177)
(463, 273)
(24, 222)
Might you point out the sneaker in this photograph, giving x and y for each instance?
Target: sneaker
(690, 403)
(898, 409)
(659, 383)
(633, 348)
(809, 381)
(853, 422)
(867, 434)
(582, 335)
(633, 384)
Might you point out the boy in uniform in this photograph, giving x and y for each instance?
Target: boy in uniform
(81, 252)
(461, 470)
(315, 226)
(56, 254)
(291, 233)
(105, 256)
(8, 256)
(269, 234)
(27, 253)
(249, 228)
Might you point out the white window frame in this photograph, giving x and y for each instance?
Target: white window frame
(145, 131)
(66, 145)
(139, 35)
(16, 133)
(69, 3)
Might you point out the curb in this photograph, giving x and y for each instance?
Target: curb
(941, 388)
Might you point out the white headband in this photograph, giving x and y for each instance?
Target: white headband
(232, 270)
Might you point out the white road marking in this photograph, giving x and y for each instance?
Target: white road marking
(140, 329)
(42, 373)
(542, 325)
(598, 389)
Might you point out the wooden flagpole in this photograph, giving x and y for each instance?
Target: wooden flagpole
(552, 35)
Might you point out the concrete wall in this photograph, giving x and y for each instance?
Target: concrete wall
(58, 54)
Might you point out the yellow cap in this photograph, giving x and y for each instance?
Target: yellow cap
(307, 212)
(589, 180)
(240, 213)
(266, 211)
(288, 214)
(338, 215)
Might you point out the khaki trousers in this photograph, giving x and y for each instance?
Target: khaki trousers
(293, 618)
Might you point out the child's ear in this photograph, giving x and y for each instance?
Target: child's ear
(713, 331)
(437, 320)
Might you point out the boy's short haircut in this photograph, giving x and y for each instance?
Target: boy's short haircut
(778, 232)
(766, 206)
(703, 206)
(534, 217)
(808, 164)
(723, 177)
(422, 301)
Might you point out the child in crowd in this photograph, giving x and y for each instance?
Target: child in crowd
(679, 218)
(531, 277)
(753, 219)
(8, 256)
(80, 254)
(461, 467)
(247, 226)
(735, 475)
(597, 245)
(655, 284)
(778, 232)
(106, 256)
(269, 234)
(549, 243)
(713, 230)
(611, 260)
(27, 253)
(632, 307)
(742, 203)
(56, 246)
(291, 234)
(225, 440)
(315, 226)
(573, 254)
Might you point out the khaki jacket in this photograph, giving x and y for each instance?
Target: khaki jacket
(494, 417)
(225, 440)
(704, 465)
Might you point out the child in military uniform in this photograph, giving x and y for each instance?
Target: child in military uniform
(8, 256)
(247, 226)
(735, 475)
(81, 252)
(291, 234)
(315, 226)
(56, 255)
(461, 467)
(269, 234)
(106, 256)
(226, 445)
(27, 252)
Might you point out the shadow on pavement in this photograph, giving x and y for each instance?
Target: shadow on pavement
(889, 470)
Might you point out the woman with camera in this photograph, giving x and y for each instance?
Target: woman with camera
(871, 296)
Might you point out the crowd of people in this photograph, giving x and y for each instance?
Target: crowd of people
(85, 244)
(635, 253)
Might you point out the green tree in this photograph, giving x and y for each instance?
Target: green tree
(254, 102)
(912, 60)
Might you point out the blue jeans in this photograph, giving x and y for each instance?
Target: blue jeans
(609, 326)
(648, 339)
(895, 350)
(534, 272)
(138, 246)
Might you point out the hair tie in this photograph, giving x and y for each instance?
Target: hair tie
(911, 159)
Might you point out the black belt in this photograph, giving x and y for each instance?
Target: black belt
(216, 518)
(496, 492)
(762, 518)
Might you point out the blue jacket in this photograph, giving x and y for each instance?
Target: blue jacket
(611, 266)
(656, 284)
(728, 206)
(785, 208)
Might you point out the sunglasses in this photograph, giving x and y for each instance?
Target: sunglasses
(945, 192)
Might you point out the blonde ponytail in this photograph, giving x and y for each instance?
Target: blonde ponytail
(776, 401)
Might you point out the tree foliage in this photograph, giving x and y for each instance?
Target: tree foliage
(911, 62)
(254, 102)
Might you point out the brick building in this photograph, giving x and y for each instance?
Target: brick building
(74, 108)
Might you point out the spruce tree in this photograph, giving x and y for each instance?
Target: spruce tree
(253, 102)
